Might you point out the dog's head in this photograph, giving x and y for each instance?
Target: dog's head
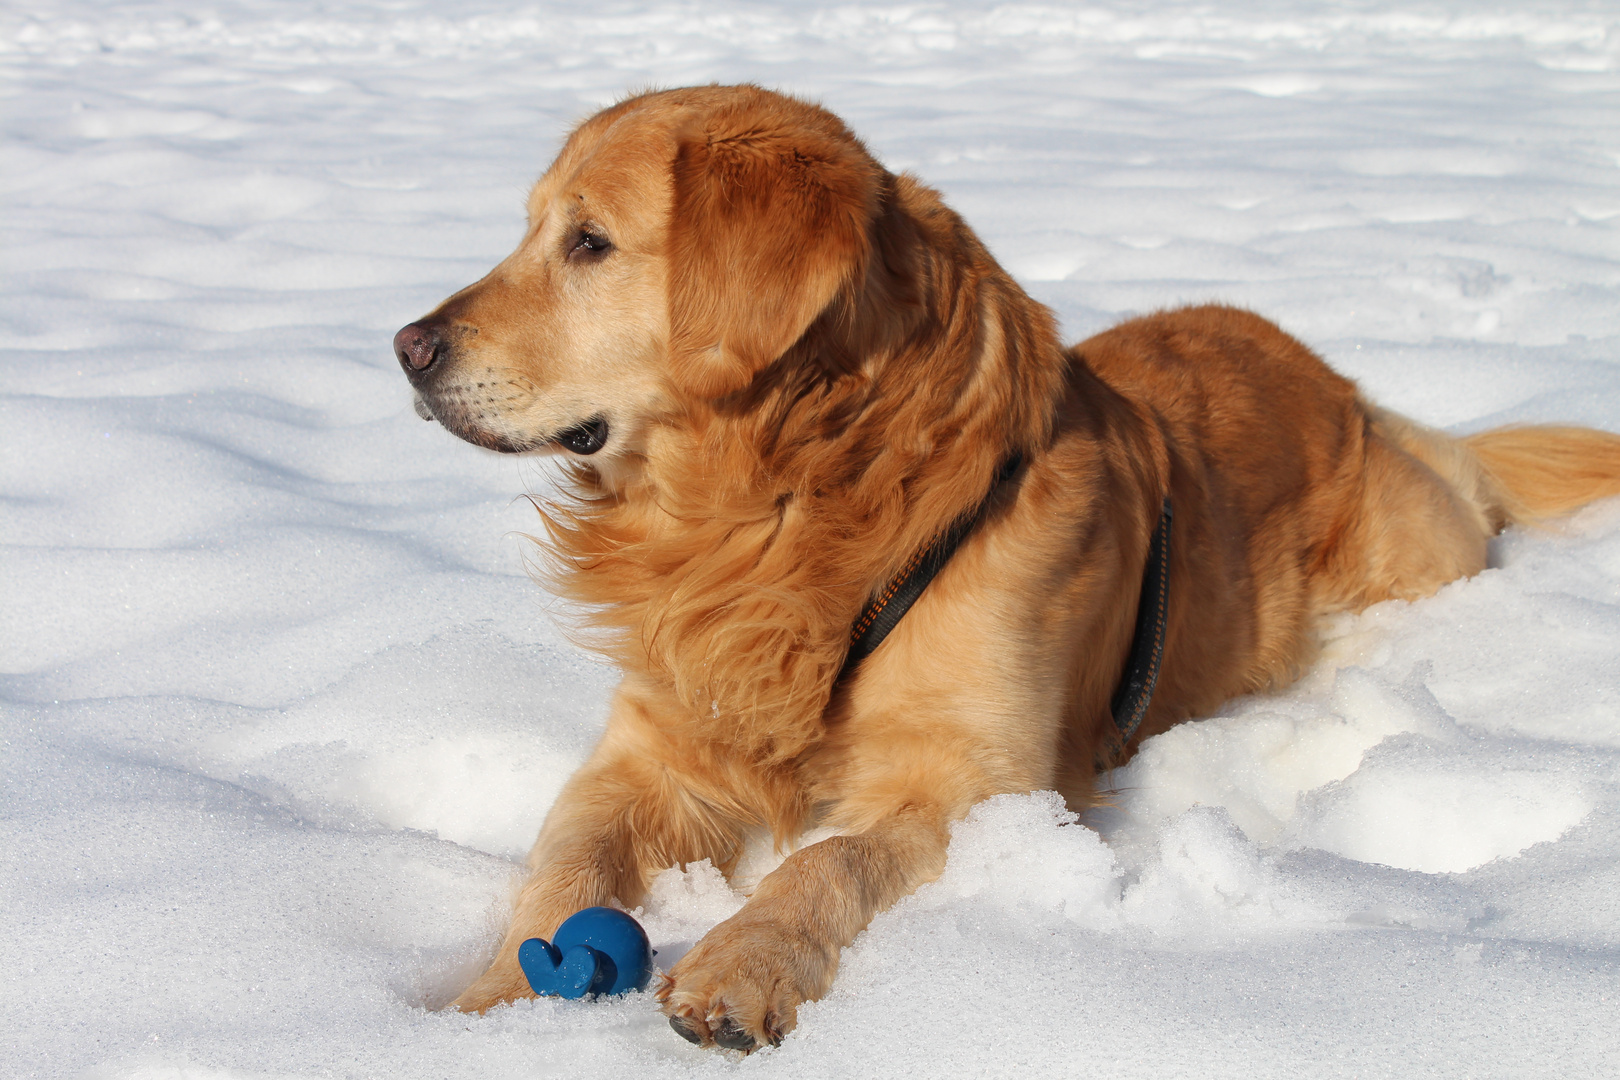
(680, 243)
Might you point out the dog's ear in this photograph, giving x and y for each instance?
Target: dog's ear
(770, 222)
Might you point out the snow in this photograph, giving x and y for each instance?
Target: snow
(281, 711)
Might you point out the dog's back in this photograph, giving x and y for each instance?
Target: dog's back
(1296, 498)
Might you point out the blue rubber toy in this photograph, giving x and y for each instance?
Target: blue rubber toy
(599, 950)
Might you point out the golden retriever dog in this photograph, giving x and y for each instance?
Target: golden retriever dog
(777, 374)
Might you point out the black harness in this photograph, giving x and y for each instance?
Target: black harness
(1130, 701)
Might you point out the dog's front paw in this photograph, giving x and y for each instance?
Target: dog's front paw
(504, 982)
(741, 986)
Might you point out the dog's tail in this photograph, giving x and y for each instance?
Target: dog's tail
(1512, 475)
(1534, 473)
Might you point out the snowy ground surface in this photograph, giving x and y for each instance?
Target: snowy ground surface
(281, 711)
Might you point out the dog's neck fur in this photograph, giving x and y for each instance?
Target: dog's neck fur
(759, 524)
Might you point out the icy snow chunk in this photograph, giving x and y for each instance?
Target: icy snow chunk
(1436, 819)
(1207, 873)
(1029, 850)
(683, 904)
(1258, 764)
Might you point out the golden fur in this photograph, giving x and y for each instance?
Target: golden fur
(807, 367)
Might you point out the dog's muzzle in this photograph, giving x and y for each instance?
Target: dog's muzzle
(424, 350)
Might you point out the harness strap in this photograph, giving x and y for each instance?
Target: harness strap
(895, 599)
(1135, 692)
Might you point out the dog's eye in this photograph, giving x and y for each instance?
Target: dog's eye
(588, 244)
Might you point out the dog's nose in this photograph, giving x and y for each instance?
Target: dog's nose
(417, 346)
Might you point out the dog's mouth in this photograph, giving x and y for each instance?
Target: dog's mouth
(583, 439)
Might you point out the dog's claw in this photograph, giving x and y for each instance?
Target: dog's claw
(731, 1036)
(686, 1029)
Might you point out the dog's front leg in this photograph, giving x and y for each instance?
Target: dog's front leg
(625, 815)
(740, 987)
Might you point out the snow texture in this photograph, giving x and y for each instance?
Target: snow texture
(281, 711)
